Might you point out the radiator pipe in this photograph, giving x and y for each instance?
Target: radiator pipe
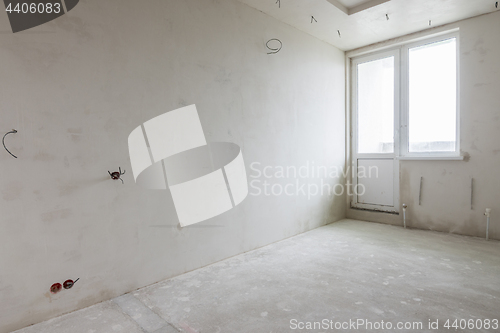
(404, 214)
(488, 213)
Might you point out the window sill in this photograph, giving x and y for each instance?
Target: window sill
(431, 158)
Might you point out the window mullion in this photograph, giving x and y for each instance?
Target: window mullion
(404, 102)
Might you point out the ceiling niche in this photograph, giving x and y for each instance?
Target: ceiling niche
(351, 7)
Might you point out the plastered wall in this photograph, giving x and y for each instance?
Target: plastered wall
(446, 187)
(76, 87)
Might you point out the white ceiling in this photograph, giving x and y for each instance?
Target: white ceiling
(360, 26)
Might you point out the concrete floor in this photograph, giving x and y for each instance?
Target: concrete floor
(346, 271)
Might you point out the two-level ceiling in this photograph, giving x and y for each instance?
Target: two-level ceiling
(349, 24)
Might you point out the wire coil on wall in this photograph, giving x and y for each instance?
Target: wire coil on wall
(274, 50)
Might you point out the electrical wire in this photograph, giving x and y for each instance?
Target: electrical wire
(3, 142)
(274, 50)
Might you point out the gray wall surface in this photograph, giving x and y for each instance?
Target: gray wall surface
(446, 190)
(76, 87)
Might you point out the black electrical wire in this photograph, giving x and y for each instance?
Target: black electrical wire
(274, 50)
(3, 142)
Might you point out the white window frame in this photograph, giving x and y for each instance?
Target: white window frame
(404, 153)
(401, 117)
(394, 52)
(364, 59)
(401, 112)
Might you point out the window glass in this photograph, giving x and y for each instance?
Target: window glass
(432, 97)
(375, 84)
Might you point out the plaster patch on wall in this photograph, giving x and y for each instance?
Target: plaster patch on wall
(55, 215)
